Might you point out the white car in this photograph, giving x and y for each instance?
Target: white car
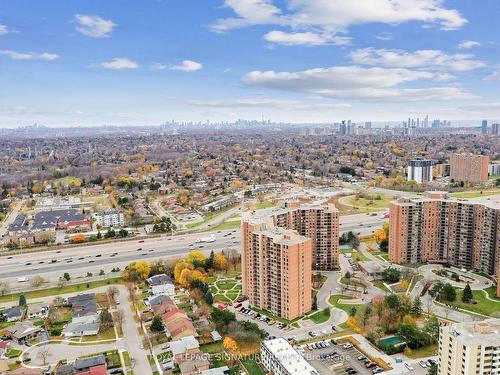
(423, 364)
(408, 366)
(347, 346)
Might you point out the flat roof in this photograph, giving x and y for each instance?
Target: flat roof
(485, 332)
(289, 358)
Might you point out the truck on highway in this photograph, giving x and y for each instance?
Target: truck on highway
(210, 238)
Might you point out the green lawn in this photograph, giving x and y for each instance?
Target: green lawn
(350, 282)
(232, 224)
(343, 306)
(13, 353)
(483, 305)
(6, 324)
(277, 318)
(475, 193)
(66, 289)
(368, 205)
(216, 347)
(225, 284)
(251, 366)
(320, 316)
(379, 284)
(426, 351)
(261, 205)
(209, 216)
(356, 255)
(221, 298)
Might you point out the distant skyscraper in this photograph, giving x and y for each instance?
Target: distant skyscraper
(420, 171)
(484, 127)
(495, 129)
(368, 125)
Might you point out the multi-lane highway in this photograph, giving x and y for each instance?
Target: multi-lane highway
(79, 260)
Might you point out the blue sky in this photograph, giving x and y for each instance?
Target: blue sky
(132, 62)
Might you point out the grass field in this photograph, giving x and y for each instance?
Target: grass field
(361, 205)
(483, 305)
(320, 316)
(334, 301)
(426, 351)
(475, 193)
(251, 366)
(261, 205)
(233, 224)
(355, 255)
(64, 290)
(209, 216)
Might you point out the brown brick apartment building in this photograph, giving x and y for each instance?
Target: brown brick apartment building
(438, 229)
(281, 246)
(469, 168)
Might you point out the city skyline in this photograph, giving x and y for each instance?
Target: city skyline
(81, 64)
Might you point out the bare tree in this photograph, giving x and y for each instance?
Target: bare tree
(4, 288)
(112, 293)
(429, 304)
(44, 354)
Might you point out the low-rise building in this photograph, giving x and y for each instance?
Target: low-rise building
(280, 358)
(13, 314)
(22, 331)
(161, 284)
(109, 218)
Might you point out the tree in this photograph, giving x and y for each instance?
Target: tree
(79, 238)
(467, 295)
(209, 299)
(157, 324)
(22, 300)
(37, 281)
(220, 262)
(416, 307)
(315, 302)
(106, 320)
(448, 293)
(392, 302)
(4, 288)
(353, 311)
(431, 327)
(433, 369)
(222, 317)
(44, 354)
(384, 245)
(66, 276)
(112, 292)
(137, 271)
(391, 275)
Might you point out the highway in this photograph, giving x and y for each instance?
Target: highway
(79, 260)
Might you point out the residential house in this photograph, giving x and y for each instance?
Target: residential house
(13, 314)
(224, 370)
(188, 356)
(161, 284)
(38, 311)
(22, 331)
(178, 324)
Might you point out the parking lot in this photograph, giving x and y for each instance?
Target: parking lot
(337, 359)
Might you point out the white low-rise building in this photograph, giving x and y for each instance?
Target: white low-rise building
(109, 218)
(280, 358)
(161, 284)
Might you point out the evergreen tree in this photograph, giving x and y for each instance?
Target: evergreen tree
(416, 307)
(353, 311)
(209, 299)
(22, 300)
(467, 295)
(157, 324)
(315, 303)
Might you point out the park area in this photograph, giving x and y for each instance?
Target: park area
(225, 287)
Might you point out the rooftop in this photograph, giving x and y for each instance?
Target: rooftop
(289, 358)
(483, 333)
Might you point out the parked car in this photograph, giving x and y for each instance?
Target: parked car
(408, 366)
(422, 364)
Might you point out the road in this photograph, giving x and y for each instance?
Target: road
(79, 260)
(10, 218)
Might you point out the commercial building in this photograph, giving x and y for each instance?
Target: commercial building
(469, 168)
(280, 358)
(109, 218)
(442, 230)
(471, 348)
(484, 127)
(420, 171)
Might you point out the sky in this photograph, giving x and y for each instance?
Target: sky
(129, 62)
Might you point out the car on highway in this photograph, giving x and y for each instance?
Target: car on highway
(141, 241)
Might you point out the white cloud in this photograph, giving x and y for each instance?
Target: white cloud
(482, 108)
(290, 39)
(418, 59)
(466, 44)
(384, 36)
(329, 17)
(94, 26)
(494, 76)
(273, 103)
(356, 82)
(187, 66)
(120, 63)
(249, 12)
(3, 29)
(44, 56)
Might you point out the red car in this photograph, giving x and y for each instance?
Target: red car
(141, 241)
